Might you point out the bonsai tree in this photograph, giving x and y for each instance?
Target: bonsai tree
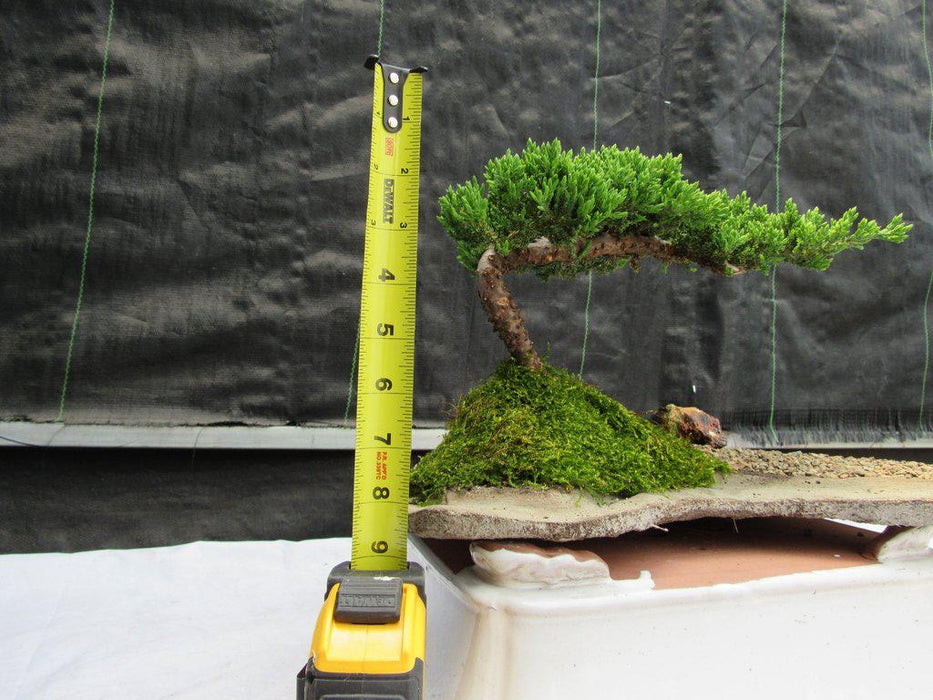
(555, 212)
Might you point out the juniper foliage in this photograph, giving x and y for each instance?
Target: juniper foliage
(571, 198)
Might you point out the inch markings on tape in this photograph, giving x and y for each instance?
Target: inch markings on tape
(385, 384)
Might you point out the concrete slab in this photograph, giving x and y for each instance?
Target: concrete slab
(848, 491)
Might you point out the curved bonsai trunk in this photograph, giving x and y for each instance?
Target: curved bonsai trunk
(504, 313)
(502, 310)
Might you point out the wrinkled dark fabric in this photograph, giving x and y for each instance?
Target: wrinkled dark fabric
(65, 500)
(224, 267)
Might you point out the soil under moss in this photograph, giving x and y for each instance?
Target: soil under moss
(547, 428)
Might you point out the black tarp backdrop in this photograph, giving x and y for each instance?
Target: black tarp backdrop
(66, 500)
(223, 271)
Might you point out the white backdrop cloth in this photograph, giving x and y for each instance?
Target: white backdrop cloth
(203, 620)
(234, 620)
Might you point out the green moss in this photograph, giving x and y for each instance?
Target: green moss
(573, 197)
(545, 428)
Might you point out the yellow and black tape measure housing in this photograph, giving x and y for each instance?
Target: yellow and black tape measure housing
(369, 640)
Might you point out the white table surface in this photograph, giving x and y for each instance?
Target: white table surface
(202, 620)
(234, 620)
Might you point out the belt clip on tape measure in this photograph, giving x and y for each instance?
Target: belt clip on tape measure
(370, 635)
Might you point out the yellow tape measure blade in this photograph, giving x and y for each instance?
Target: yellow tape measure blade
(385, 384)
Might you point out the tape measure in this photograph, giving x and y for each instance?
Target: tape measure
(385, 383)
(369, 640)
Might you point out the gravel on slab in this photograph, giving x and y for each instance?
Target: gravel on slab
(811, 464)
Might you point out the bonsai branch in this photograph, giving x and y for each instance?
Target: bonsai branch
(504, 313)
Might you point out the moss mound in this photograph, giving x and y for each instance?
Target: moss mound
(542, 428)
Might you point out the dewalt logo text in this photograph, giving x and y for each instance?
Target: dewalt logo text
(388, 200)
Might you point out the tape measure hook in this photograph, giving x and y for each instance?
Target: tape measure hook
(393, 91)
(373, 59)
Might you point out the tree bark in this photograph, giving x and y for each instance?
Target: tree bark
(504, 313)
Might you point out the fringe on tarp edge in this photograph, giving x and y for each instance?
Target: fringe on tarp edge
(821, 426)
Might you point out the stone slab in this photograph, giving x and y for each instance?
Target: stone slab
(562, 516)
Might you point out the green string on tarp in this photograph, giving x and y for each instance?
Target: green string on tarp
(90, 219)
(777, 207)
(926, 300)
(356, 346)
(589, 277)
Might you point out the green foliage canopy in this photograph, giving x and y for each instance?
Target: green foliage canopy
(571, 198)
